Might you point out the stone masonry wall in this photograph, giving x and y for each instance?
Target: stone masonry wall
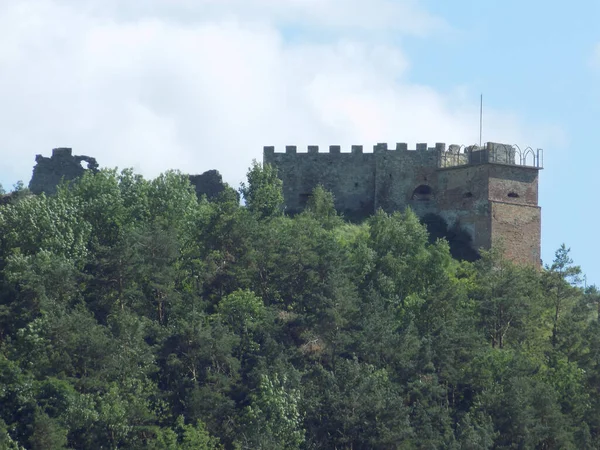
(513, 184)
(463, 201)
(62, 165)
(516, 229)
(350, 176)
(479, 193)
(400, 172)
(360, 182)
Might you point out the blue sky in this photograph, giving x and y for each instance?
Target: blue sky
(202, 84)
(542, 61)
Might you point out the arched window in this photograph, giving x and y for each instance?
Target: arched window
(422, 193)
(513, 195)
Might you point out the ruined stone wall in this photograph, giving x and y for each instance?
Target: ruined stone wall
(48, 173)
(62, 165)
(209, 183)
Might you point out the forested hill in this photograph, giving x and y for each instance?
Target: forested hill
(135, 316)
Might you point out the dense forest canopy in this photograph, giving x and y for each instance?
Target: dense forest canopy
(135, 315)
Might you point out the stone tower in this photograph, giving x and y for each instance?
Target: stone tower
(477, 197)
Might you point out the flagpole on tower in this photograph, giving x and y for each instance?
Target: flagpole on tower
(480, 118)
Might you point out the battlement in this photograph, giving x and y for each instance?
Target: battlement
(355, 149)
(451, 156)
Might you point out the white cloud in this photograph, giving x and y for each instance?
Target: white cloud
(401, 16)
(197, 85)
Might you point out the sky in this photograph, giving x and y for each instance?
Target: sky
(205, 84)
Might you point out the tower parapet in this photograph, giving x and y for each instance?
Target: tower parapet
(448, 156)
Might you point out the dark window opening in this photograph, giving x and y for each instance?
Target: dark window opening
(468, 195)
(513, 195)
(355, 184)
(422, 193)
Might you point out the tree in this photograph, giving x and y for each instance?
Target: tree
(133, 315)
(243, 312)
(273, 419)
(54, 224)
(560, 283)
(321, 206)
(357, 406)
(47, 433)
(184, 437)
(263, 193)
(403, 267)
(592, 298)
(507, 299)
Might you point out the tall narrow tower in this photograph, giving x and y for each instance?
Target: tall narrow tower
(495, 197)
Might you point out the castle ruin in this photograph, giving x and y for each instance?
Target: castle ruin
(482, 196)
(476, 197)
(62, 165)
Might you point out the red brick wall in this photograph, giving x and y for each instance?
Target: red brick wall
(516, 228)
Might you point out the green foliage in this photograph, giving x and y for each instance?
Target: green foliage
(242, 311)
(321, 206)
(273, 417)
(560, 280)
(506, 300)
(263, 193)
(47, 433)
(53, 224)
(185, 437)
(133, 315)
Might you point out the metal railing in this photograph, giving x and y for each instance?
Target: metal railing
(493, 153)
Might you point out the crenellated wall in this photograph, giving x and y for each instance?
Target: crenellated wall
(460, 186)
(351, 176)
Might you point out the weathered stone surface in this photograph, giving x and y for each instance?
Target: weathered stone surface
(210, 183)
(62, 165)
(458, 193)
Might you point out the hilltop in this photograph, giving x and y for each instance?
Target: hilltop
(136, 314)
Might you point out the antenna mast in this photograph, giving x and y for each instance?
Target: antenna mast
(480, 118)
